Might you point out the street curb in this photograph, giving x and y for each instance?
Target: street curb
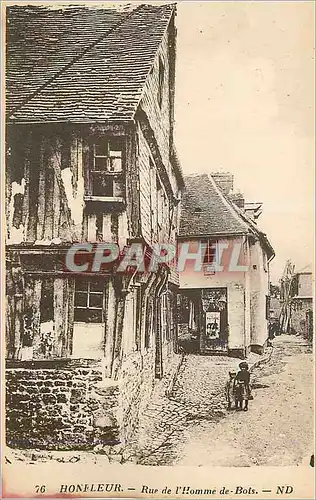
(174, 377)
(265, 359)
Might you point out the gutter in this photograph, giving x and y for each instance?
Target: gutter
(210, 236)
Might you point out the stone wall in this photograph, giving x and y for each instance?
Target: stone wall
(55, 405)
(58, 408)
(299, 308)
(137, 383)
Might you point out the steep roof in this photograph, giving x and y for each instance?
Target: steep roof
(256, 230)
(206, 211)
(80, 64)
(308, 269)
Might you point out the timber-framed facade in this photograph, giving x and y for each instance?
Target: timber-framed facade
(90, 158)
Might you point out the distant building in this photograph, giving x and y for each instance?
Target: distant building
(275, 308)
(226, 310)
(275, 303)
(301, 304)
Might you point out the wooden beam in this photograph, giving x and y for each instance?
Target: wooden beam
(14, 309)
(70, 312)
(27, 167)
(48, 228)
(59, 318)
(55, 163)
(132, 185)
(41, 190)
(121, 286)
(110, 319)
(33, 187)
(37, 292)
(32, 315)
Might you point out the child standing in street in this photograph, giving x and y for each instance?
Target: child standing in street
(242, 387)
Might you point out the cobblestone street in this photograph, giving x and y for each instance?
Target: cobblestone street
(193, 427)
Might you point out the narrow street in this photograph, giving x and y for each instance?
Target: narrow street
(277, 430)
(193, 426)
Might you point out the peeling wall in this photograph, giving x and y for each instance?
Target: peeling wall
(46, 204)
(16, 227)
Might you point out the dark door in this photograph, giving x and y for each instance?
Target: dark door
(214, 320)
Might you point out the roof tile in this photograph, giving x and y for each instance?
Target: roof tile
(82, 64)
(206, 212)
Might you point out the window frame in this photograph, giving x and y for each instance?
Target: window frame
(88, 307)
(211, 248)
(114, 179)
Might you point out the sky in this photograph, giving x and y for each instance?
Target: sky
(245, 104)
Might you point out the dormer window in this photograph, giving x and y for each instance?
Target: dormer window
(106, 168)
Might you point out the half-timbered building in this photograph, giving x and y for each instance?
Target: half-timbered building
(90, 159)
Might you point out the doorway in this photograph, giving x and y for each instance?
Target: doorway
(215, 331)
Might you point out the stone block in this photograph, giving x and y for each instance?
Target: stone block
(257, 349)
(61, 398)
(103, 421)
(74, 407)
(77, 395)
(49, 398)
(46, 389)
(59, 382)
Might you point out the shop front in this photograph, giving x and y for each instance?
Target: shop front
(202, 319)
(214, 331)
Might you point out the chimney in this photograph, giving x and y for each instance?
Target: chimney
(238, 199)
(224, 180)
